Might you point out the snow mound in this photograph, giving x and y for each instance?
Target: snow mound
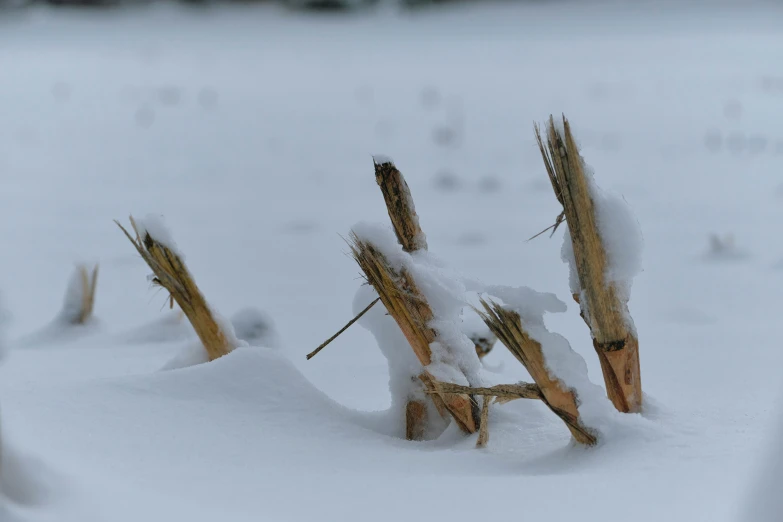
(723, 248)
(254, 327)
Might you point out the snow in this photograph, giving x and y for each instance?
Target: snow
(155, 226)
(621, 237)
(380, 159)
(254, 327)
(763, 502)
(296, 104)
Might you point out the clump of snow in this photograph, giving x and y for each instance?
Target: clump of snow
(477, 331)
(445, 292)
(472, 324)
(383, 239)
(724, 248)
(530, 304)
(155, 225)
(254, 327)
(380, 159)
(620, 234)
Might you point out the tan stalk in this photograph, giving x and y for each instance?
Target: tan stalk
(406, 304)
(172, 274)
(88, 281)
(603, 307)
(399, 203)
(483, 437)
(502, 392)
(507, 326)
(415, 420)
(405, 221)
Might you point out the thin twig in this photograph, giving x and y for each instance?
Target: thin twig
(502, 392)
(344, 328)
(558, 222)
(483, 437)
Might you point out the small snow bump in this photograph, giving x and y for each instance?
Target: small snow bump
(380, 159)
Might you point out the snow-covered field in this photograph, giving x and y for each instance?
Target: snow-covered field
(252, 130)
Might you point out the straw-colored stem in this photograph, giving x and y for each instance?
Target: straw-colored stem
(406, 304)
(399, 204)
(507, 326)
(172, 274)
(501, 392)
(88, 281)
(415, 420)
(603, 308)
(412, 312)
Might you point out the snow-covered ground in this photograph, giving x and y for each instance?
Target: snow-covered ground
(252, 130)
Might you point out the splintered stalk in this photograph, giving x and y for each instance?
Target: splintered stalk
(604, 308)
(83, 286)
(171, 273)
(413, 313)
(406, 304)
(399, 204)
(507, 326)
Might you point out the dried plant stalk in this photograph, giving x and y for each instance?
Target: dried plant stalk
(406, 304)
(501, 392)
(172, 274)
(603, 308)
(483, 437)
(415, 420)
(413, 319)
(507, 326)
(399, 203)
(88, 281)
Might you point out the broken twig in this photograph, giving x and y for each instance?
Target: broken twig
(344, 328)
